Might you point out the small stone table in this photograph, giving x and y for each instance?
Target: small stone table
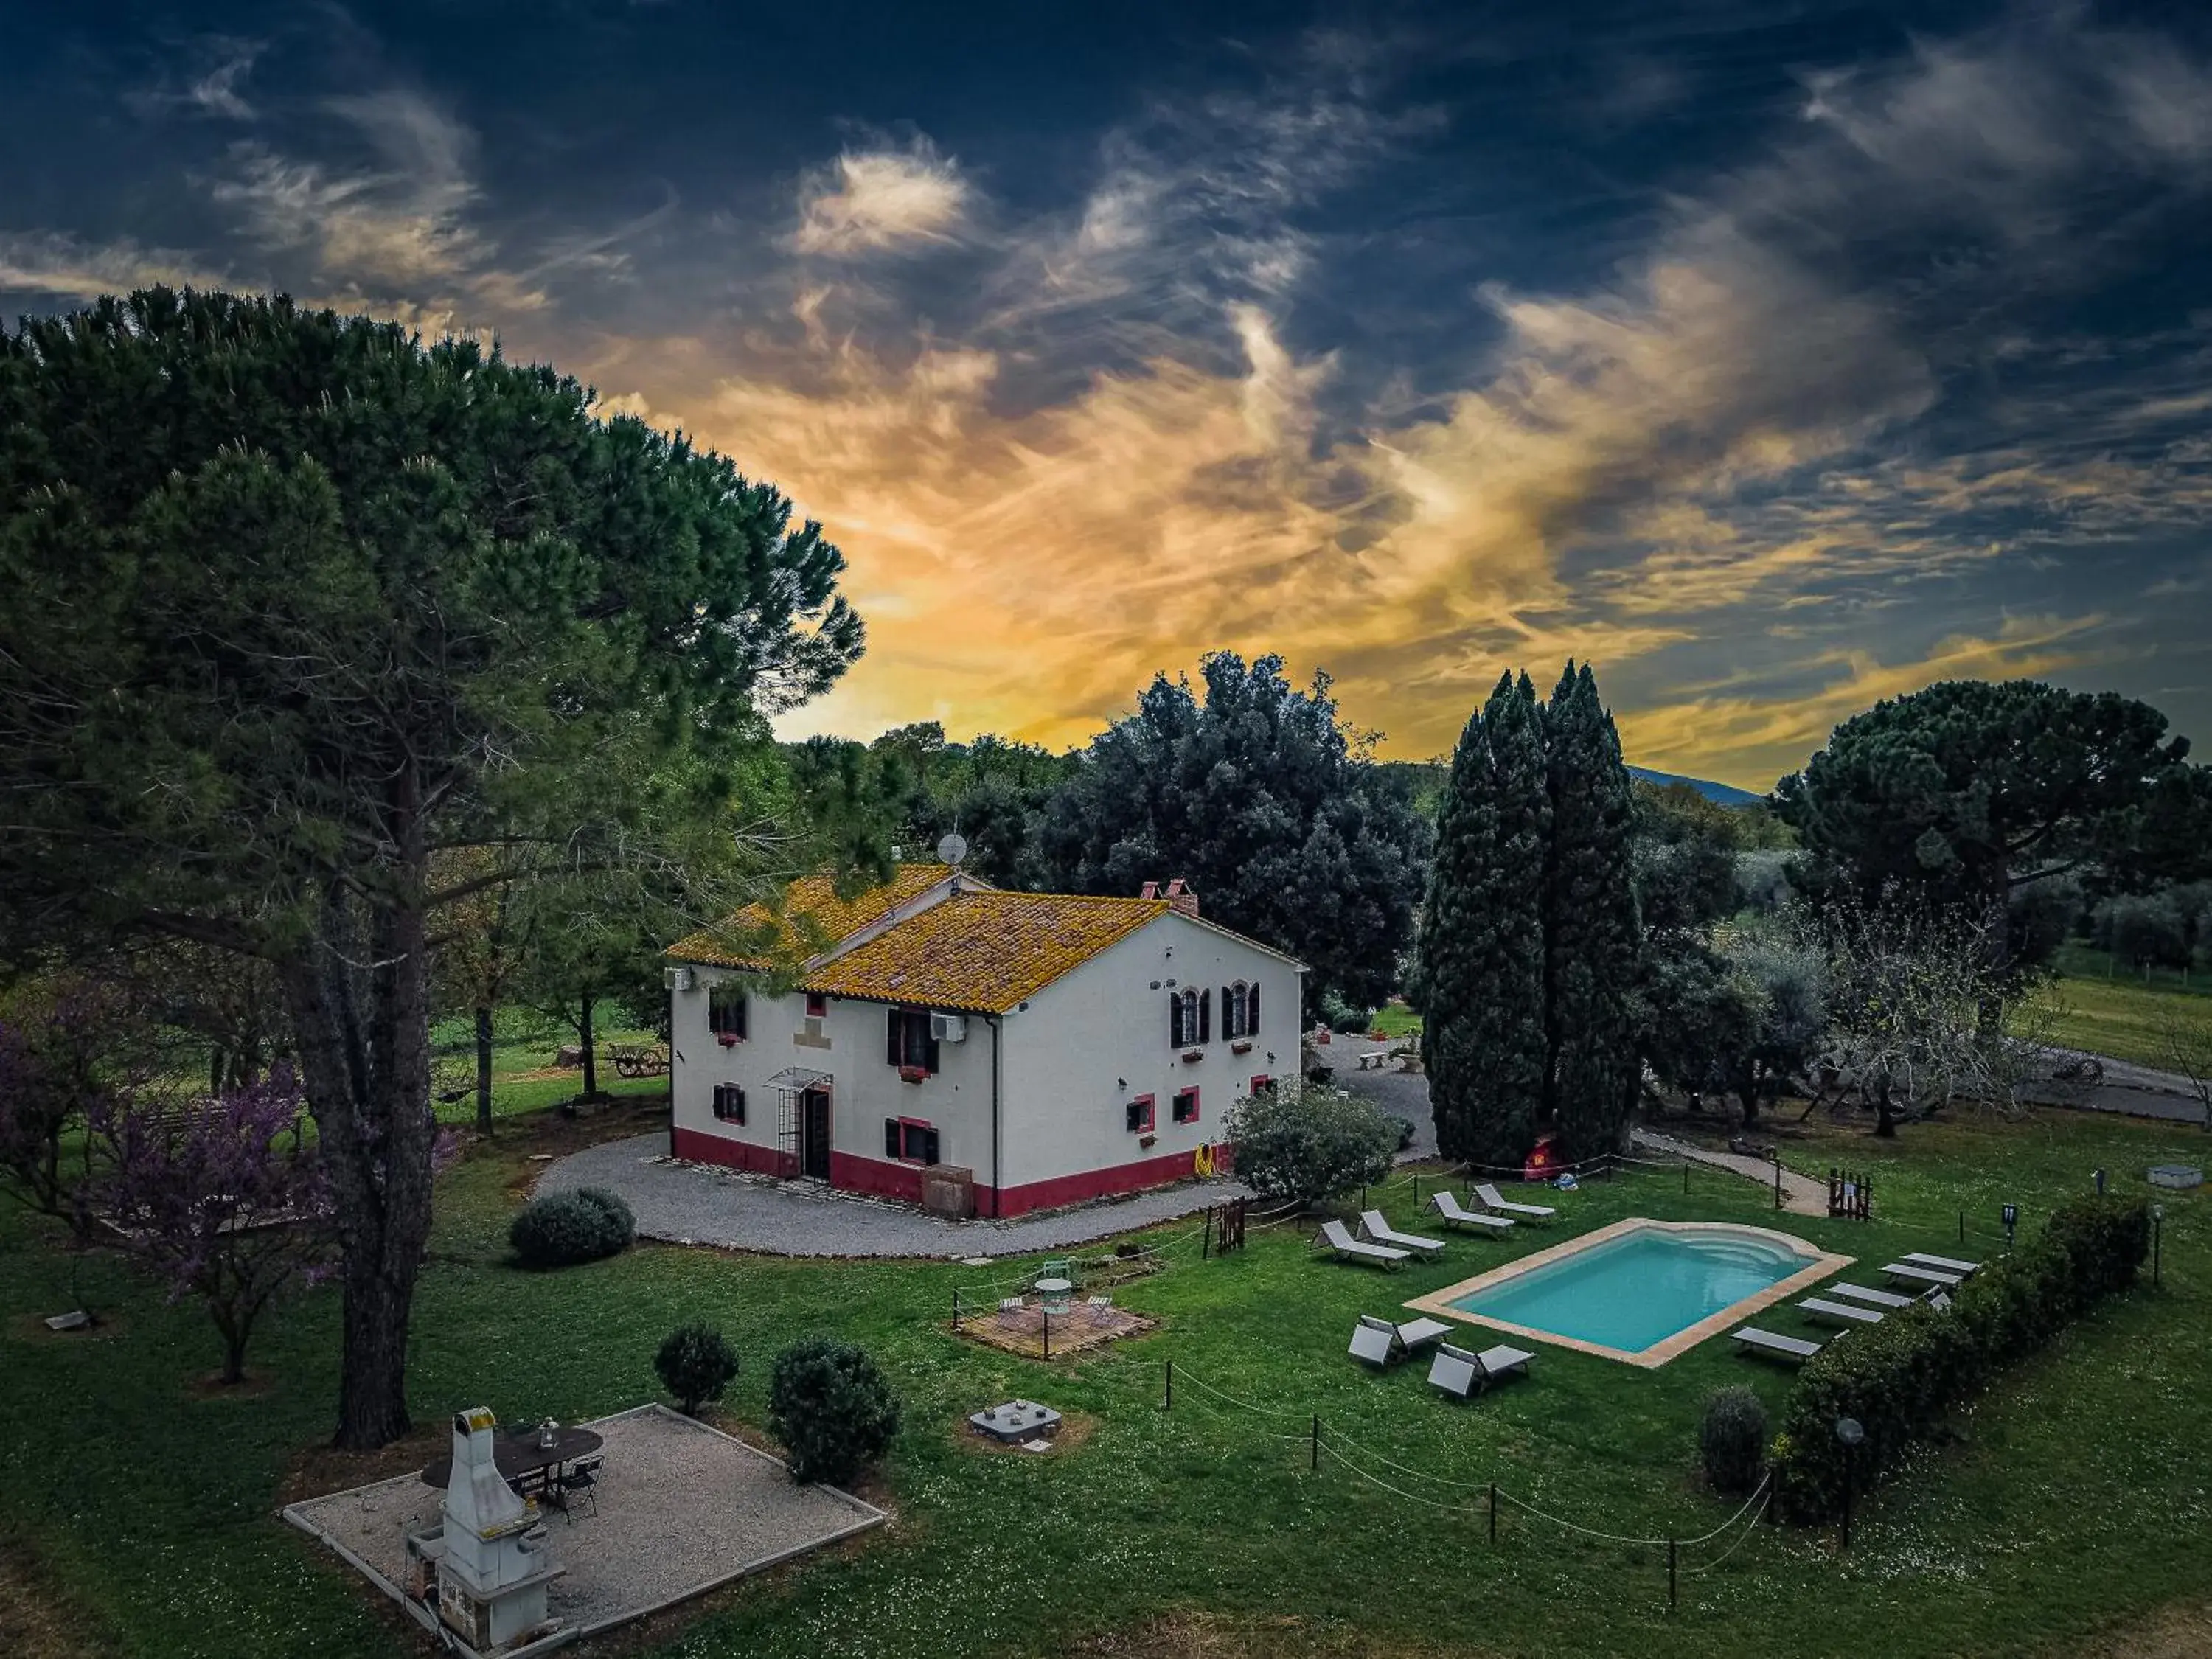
(1016, 1421)
(2177, 1177)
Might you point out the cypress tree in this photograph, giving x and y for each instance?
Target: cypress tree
(1591, 934)
(1480, 963)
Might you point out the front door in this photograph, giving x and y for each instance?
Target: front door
(814, 1135)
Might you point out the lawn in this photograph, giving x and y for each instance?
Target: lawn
(2119, 1016)
(2075, 1501)
(524, 1078)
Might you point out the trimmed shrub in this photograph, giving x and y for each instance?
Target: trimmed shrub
(1901, 1377)
(1312, 1144)
(1732, 1439)
(831, 1408)
(561, 1229)
(695, 1363)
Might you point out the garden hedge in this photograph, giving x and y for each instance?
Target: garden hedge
(1900, 1378)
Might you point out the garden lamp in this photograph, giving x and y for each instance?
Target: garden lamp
(2157, 1229)
(1850, 1433)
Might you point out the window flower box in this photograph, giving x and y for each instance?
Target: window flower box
(913, 1073)
(1242, 1046)
(727, 1039)
(1148, 1140)
(1190, 1056)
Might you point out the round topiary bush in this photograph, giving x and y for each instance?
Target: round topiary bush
(695, 1363)
(560, 1228)
(1732, 1439)
(831, 1408)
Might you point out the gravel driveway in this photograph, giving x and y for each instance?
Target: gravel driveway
(699, 1204)
(1402, 1094)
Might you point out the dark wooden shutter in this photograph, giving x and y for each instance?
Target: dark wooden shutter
(1252, 1009)
(1175, 1019)
(1228, 1012)
(928, 1043)
(929, 1146)
(891, 1147)
(898, 1030)
(1206, 1015)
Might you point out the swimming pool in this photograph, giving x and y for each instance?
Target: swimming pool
(1639, 1290)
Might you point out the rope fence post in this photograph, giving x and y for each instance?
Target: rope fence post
(1047, 1332)
(1417, 1189)
(1686, 1177)
(1962, 1226)
(1168, 1404)
(1315, 1461)
(1205, 1237)
(956, 1307)
(1493, 1511)
(1670, 1574)
(1778, 1179)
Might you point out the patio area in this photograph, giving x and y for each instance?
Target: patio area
(681, 1508)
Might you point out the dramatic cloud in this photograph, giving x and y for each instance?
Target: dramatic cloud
(871, 201)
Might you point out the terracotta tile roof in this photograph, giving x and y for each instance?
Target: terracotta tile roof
(983, 952)
(810, 920)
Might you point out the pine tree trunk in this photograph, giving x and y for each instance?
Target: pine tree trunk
(590, 1054)
(484, 1070)
(360, 1005)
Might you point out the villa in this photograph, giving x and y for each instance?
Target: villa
(984, 1052)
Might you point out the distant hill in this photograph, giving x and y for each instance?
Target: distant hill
(1722, 794)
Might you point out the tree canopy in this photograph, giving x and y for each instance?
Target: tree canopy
(299, 605)
(1270, 807)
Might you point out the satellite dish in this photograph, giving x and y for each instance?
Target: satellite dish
(952, 848)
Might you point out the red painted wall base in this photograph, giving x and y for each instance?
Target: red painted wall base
(884, 1179)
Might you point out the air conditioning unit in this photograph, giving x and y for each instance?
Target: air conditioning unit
(948, 1027)
(676, 979)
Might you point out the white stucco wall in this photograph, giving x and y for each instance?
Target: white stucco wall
(1069, 1052)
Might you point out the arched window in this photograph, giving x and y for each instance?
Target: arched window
(1190, 1017)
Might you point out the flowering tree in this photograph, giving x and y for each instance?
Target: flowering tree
(225, 1197)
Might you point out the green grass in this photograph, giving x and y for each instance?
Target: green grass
(1395, 1020)
(2076, 1498)
(524, 1042)
(2119, 1017)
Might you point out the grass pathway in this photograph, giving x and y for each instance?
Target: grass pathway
(1800, 1194)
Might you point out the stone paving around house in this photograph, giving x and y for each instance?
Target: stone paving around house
(687, 1203)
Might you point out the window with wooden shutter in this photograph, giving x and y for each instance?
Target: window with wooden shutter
(1186, 1106)
(1252, 1012)
(1206, 1015)
(1175, 1019)
(725, 1010)
(892, 1146)
(1228, 1012)
(729, 1103)
(1138, 1116)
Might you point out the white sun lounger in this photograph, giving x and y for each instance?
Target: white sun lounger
(1889, 1301)
(1793, 1349)
(1928, 1278)
(1338, 1238)
(1491, 1199)
(1461, 1372)
(1379, 1342)
(1453, 1213)
(1839, 1313)
(1942, 1263)
(1380, 1231)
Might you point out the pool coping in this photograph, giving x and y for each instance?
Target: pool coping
(1819, 1265)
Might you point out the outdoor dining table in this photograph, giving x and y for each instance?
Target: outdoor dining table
(519, 1457)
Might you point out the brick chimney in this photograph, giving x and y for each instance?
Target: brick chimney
(1152, 890)
(1182, 898)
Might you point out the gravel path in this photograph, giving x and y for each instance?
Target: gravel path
(701, 1204)
(1404, 1095)
(1800, 1194)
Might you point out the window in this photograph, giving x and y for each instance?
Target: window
(911, 1045)
(1138, 1115)
(909, 1140)
(725, 1012)
(1186, 1106)
(729, 1103)
(818, 1006)
(1190, 1017)
(1240, 1010)
(1262, 1084)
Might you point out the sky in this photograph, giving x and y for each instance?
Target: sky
(1774, 357)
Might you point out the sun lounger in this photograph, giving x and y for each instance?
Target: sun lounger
(1380, 1231)
(1926, 1278)
(1839, 1313)
(1461, 1372)
(1889, 1301)
(1794, 1350)
(1942, 1263)
(1338, 1238)
(1379, 1342)
(1491, 1199)
(1453, 1213)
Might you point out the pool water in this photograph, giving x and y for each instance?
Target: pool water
(1637, 1290)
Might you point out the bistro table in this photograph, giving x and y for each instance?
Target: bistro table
(518, 1456)
(1054, 1293)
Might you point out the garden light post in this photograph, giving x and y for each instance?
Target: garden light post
(1848, 1432)
(2157, 1228)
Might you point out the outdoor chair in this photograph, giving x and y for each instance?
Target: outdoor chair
(1061, 1268)
(1380, 1231)
(1927, 1278)
(1461, 1372)
(1010, 1312)
(582, 1482)
(1839, 1313)
(1942, 1263)
(1336, 1235)
(1099, 1310)
(1453, 1213)
(1379, 1342)
(1790, 1350)
(1491, 1199)
(1887, 1301)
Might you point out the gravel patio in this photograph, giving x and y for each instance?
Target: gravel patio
(685, 1203)
(681, 1508)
